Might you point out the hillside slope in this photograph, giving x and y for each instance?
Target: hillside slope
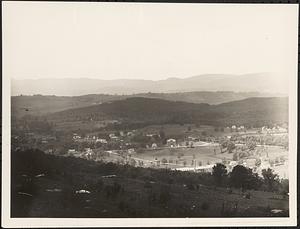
(41, 104)
(131, 192)
(251, 111)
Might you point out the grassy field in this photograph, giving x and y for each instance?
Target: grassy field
(205, 154)
(205, 202)
(211, 154)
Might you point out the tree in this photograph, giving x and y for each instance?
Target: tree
(257, 162)
(238, 176)
(230, 146)
(251, 145)
(242, 177)
(219, 172)
(164, 161)
(132, 162)
(223, 145)
(192, 162)
(284, 186)
(235, 156)
(162, 136)
(270, 179)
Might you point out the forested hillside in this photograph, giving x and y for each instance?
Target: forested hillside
(43, 104)
(251, 112)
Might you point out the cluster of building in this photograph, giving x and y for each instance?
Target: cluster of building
(95, 139)
(235, 128)
(89, 139)
(275, 129)
(87, 153)
(92, 154)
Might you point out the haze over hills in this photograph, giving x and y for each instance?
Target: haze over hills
(39, 104)
(262, 82)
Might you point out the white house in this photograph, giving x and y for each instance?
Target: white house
(71, 151)
(154, 145)
(130, 133)
(112, 135)
(171, 142)
(101, 140)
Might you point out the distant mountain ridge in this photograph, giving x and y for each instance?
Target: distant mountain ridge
(262, 82)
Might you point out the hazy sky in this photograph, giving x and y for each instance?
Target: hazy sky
(146, 41)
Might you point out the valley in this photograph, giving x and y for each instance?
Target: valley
(163, 137)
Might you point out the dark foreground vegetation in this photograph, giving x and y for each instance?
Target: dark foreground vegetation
(50, 186)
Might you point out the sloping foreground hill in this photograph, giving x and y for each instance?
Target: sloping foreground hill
(45, 186)
(43, 104)
(251, 111)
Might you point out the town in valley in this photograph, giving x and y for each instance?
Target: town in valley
(239, 158)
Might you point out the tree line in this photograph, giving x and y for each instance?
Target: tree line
(245, 179)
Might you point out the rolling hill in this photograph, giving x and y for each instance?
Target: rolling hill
(41, 104)
(250, 111)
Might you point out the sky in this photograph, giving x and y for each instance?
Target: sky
(146, 41)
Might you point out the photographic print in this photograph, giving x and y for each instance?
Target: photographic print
(149, 114)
